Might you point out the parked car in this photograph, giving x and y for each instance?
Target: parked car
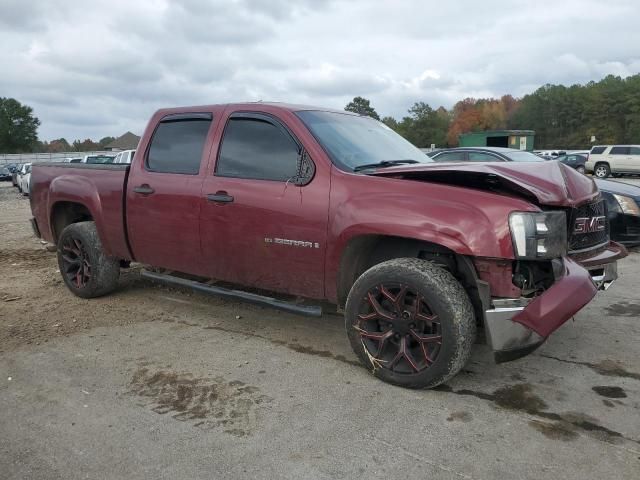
(98, 159)
(5, 174)
(579, 152)
(623, 210)
(605, 160)
(330, 205)
(550, 153)
(621, 198)
(485, 154)
(574, 160)
(126, 156)
(15, 171)
(24, 179)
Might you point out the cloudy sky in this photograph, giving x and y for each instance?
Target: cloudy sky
(94, 68)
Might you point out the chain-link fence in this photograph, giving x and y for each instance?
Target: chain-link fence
(6, 158)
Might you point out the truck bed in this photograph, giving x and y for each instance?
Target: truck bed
(99, 187)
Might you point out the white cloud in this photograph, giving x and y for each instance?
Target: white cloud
(101, 67)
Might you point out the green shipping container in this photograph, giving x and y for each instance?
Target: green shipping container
(518, 139)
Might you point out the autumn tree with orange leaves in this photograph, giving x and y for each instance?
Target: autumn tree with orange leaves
(471, 115)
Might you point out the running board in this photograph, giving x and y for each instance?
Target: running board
(313, 311)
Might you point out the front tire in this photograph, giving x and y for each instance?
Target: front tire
(602, 170)
(581, 169)
(85, 268)
(410, 322)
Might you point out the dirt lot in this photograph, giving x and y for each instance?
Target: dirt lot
(151, 382)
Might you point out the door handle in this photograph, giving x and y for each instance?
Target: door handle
(219, 197)
(143, 189)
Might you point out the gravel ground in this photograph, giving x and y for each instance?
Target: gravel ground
(152, 382)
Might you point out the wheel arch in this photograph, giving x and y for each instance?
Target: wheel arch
(602, 162)
(364, 251)
(64, 213)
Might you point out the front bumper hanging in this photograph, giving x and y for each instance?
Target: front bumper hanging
(516, 327)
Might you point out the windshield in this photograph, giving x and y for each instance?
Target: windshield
(352, 141)
(521, 156)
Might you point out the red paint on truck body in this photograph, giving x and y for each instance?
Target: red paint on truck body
(178, 228)
(99, 190)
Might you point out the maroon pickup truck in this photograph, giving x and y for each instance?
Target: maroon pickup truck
(328, 205)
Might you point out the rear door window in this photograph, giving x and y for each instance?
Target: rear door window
(257, 148)
(451, 157)
(482, 157)
(176, 146)
(619, 150)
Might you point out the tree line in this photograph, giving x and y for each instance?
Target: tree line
(574, 117)
(62, 145)
(19, 133)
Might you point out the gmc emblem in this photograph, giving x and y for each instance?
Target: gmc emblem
(590, 224)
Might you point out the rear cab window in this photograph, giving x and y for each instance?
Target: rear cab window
(178, 143)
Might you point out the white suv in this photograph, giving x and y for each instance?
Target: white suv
(606, 160)
(124, 157)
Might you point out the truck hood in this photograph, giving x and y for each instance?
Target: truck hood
(545, 183)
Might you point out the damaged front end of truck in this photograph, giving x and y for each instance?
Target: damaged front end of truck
(559, 255)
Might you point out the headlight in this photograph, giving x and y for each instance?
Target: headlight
(539, 236)
(627, 204)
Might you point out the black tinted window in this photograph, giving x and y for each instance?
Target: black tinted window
(177, 146)
(100, 159)
(450, 157)
(635, 150)
(619, 150)
(598, 150)
(255, 148)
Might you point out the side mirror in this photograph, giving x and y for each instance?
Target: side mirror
(306, 169)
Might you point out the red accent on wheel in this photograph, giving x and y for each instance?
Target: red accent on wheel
(75, 262)
(398, 328)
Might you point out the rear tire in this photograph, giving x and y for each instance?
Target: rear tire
(410, 322)
(601, 170)
(581, 169)
(85, 268)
